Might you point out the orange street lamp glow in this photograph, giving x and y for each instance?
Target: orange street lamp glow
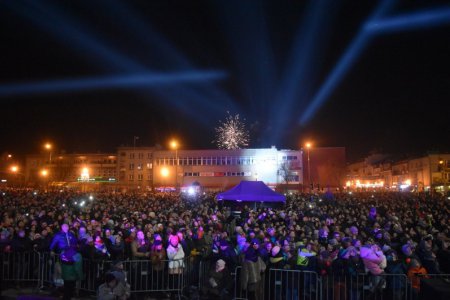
(14, 169)
(44, 173)
(308, 145)
(174, 144)
(48, 146)
(164, 172)
(9, 155)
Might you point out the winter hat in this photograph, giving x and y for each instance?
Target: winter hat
(220, 263)
(275, 250)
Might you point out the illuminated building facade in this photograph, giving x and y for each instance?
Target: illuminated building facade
(419, 174)
(151, 168)
(220, 169)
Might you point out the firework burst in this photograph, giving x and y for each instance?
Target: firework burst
(232, 133)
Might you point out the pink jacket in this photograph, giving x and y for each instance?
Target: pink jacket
(372, 260)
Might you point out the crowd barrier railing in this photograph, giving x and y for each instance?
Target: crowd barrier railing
(366, 286)
(169, 276)
(278, 284)
(43, 269)
(20, 267)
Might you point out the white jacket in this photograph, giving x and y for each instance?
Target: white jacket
(176, 258)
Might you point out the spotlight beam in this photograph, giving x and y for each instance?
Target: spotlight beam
(245, 27)
(69, 31)
(417, 20)
(302, 66)
(343, 65)
(145, 80)
(168, 53)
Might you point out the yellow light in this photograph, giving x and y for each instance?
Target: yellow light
(48, 146)
(85, 174)
(174, 144)
(164, 172)
(44, 173)
(408, 181)
(441, 162)
(9, 155)
(348, 183)
(308, 145)
(14, 169)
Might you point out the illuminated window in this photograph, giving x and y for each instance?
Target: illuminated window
(131, 177)
(131, 166)
(140, 177)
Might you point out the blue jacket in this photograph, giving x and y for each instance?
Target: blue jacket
(62, 241)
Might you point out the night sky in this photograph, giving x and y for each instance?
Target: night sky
(270, 59)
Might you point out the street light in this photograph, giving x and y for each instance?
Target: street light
(164, 174)
(14, 169)
(44, 173)
(48, 147)
(174, 145)
(308, 147)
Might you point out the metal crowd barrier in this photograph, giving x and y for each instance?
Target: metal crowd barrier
(366, 286)
(20, 267)
(277, 284)
(43, 270)
(142, 275)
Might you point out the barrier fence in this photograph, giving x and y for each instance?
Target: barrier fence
(179, 276)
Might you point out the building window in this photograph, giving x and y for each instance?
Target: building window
(149, 165)
(140, 177)
(131, 177)
(131, 155)
(131, 166)
(139, 166)
(141, 155)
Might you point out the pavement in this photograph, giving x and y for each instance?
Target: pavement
(30, 293)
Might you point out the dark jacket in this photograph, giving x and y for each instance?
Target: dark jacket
(63, 241)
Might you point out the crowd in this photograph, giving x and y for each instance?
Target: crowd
(334, 235)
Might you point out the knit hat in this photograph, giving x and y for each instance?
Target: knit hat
(220, 263)
(275, 250)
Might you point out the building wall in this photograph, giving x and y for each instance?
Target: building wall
(421, 173)
(328, 167)
(67, 168)
(135, 167)
(221, 169)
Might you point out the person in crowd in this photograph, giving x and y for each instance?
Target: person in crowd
(415, 273)
(220, 281)
(117, 269)
(176, 256)
(251, 275)
(427, 255)
(374, 260)
(63, 240)
(112, 289)
(71, 270)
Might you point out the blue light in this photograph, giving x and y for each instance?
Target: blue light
(417, 20)
(146, 80)
(304, 62)
(343, 65)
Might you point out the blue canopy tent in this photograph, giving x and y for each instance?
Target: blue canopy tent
(252, 191)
